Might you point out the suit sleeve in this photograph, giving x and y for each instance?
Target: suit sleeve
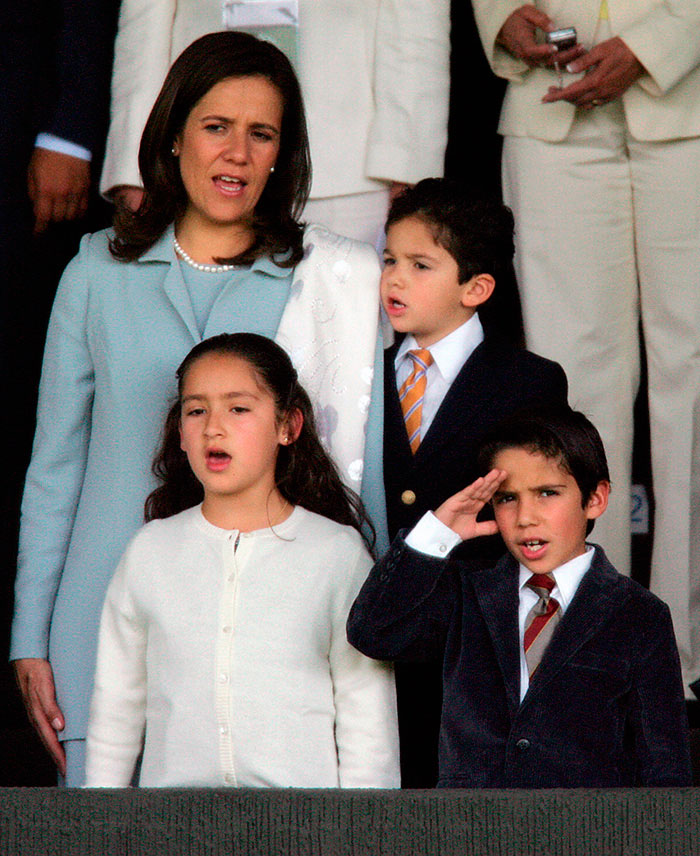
(667, 42)
(408, 134)
(404, 608)
(658, 715)
(55, 476)
(490, 16)
(141, 61)
(83, 61)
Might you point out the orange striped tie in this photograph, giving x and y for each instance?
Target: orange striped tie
(411, 395)
(541, 620)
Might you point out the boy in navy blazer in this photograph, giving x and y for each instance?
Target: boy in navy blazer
(557, 670)
(445, 253)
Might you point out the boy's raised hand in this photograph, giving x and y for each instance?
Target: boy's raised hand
(459, 511)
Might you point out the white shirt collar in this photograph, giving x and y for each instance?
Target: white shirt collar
(452, 351)
(567, 576)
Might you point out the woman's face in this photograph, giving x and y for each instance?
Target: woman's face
(227, 148)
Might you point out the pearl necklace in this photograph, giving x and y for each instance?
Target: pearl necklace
(198, 265)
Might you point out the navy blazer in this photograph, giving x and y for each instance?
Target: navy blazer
(604, 709)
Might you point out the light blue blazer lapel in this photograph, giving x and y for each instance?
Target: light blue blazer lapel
(174, 283)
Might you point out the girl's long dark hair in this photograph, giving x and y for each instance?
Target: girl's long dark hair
(206, 62)
(304, 473)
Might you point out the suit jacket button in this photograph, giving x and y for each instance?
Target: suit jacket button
(523, 744)
(408, 497)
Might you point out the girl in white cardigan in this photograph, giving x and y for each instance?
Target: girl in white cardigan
(222, 649)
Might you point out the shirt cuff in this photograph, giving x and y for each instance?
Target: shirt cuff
(432, 537)
(64, 147)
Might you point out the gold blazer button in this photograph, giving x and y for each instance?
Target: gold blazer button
(408, 497)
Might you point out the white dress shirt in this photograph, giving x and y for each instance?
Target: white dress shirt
(432, 537)
(567, 578)
(449, 355)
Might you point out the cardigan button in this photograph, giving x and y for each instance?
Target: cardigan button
(408, 497)
(523, 745)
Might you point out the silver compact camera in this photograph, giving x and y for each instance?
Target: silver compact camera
(562, 39)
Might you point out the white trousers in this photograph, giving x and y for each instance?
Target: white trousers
(608, 234)
(358, 215)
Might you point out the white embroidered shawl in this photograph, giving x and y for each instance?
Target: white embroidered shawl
(329, 328)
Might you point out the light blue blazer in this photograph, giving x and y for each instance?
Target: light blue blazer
(117, 333)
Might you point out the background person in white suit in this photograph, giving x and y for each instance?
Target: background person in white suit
(603, 176)
(375, 80)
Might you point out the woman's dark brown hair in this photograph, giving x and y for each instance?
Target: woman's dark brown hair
(304, 473)
(206, 62)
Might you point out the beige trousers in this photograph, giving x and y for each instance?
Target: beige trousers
(608, 235)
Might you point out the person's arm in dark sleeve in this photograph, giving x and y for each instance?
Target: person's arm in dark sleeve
(74, 121)
(404, 608)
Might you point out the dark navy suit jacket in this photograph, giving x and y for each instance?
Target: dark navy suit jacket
(496, 381)
(604, 709)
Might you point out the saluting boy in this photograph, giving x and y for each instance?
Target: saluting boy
(557, 670)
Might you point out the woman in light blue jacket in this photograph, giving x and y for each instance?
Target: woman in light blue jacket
(215, 246)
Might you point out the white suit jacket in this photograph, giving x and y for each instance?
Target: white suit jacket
(374, 74)
(664, 35)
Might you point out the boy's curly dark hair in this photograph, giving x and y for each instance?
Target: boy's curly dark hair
(477, 231)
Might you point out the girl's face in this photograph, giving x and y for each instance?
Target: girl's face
(227, 148)
(229, 430)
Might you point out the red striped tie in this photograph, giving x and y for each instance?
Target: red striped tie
(541, 620)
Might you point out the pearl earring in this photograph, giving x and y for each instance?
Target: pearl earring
(173, 151)
(272, 169)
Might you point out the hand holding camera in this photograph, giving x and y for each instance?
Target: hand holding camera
(562, 40)
(519, 36)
